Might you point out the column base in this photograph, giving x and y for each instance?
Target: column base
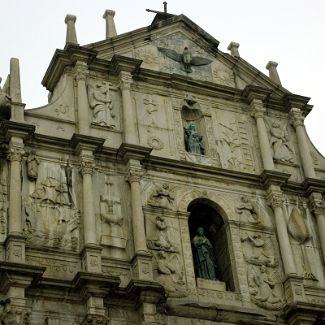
(142, 266)
(91, 258)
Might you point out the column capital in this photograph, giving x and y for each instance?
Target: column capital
(297, 117)
(316, 203)
(81, 71)
(134, 174)
(15, 152)
(275, 198)
(87, 165)
(258, 110)
(125, 80)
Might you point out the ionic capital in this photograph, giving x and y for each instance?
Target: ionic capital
(297, 118)
(87, 165)
(81, 71)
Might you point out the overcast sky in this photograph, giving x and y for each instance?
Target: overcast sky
(290, 32)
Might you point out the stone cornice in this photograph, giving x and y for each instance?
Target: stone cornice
(296, 101)
(274, 177)
(62, 58)
(86, 142)
(132, 151)
(122, 63)
(312, 185)
(18, 274)
(10, 128)
(252, 92)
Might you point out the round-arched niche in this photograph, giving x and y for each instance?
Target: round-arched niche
(210, 250)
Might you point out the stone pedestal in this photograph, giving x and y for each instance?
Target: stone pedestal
(142, 266)
(91, 258)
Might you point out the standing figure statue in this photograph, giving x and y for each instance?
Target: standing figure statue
(203, 255)
(282, 150)
(101, 103)
(193, 140)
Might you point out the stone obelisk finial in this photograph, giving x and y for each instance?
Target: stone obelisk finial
(70, 20)
(110, 24)
(233, 48)
(273, 73)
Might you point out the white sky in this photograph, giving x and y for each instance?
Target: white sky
(290, 32)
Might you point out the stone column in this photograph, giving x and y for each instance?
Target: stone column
(273, 73)
(92, 252)
(87, 166)
(129, 115)
(139, 235)
(276, 200)
(304, 150)
(71, 36)
(81, 73)
(15, 244)
(258, 112)
(110, 24)
(318, 208)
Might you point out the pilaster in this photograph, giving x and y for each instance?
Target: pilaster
(85, 146)
(297, 119)
(256, 96)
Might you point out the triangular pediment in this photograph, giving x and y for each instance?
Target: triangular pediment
(161, 45)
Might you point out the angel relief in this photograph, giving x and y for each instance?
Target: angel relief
(186, 58)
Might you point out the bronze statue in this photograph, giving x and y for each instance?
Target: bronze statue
(203, 255)
(193, 140)
(185, 58)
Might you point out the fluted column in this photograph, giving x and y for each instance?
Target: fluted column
(81, 73)
(89, 220)
(276, 200)
(129, 117)
(318, 208)
(139, 235)
(258, 112)
(304, 150)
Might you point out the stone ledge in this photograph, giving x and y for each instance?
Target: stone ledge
(210, 284)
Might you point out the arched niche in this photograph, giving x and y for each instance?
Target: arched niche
(206, 214)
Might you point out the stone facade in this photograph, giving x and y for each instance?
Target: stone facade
(147, 137)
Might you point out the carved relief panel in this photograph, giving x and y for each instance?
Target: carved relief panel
(50, 211)
(234, 141)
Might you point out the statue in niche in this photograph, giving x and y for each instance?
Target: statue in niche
(101, 103)
(32, 166)
(170, 273)
(251, 211)
(259, 251)
(282, 151)
(204, 260)
(111, 216)
(162, 197)
(262, 287)
(186, 58)
(162, 240)
(193, 140)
